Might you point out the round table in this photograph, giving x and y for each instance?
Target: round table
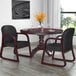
(41, 33)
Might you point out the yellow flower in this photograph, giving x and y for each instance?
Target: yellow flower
(40, 17)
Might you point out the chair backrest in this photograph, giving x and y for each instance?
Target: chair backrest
(8, 30)
(67, 39)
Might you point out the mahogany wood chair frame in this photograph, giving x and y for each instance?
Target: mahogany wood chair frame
(9, 39)
(65, 45)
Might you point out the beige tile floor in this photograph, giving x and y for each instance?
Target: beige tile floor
(33, 67)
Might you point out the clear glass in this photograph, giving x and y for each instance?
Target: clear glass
(42, 28)
(68, 20)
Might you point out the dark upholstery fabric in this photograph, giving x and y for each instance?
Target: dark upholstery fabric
(8, 30)
(67, 39)
(53, 47)
(20, 44)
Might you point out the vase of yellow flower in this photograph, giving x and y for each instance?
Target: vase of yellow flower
(40, 17)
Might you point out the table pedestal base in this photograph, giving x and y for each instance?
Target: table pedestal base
(39, 47)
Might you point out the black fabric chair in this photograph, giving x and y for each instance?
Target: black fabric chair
(10, 39)
(64, 44)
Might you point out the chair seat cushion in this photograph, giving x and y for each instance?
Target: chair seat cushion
(20, 44)
(53, 47)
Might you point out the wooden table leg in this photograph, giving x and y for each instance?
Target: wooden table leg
(40, 46)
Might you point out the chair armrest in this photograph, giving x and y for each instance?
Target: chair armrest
(58, 38)
(25, 35)
(52, 38)
(14, 39)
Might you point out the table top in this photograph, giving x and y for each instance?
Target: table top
(39, 31)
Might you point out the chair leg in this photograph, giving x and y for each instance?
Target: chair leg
(30, 51)
(1, 51)
(16, 53)
(46, 63)
(30, 54)
(53, 54)
(68, 60)
(72, 55)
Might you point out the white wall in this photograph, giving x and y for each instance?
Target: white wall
(6, 16)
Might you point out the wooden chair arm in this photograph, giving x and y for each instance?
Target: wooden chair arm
(59, 37)
(25, 35)
(52, 38)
